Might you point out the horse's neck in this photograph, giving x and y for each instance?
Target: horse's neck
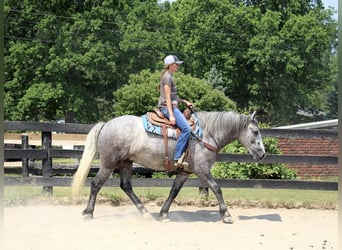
(221, 127)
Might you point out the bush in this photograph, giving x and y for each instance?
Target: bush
(246, 171)
(162, 175)
(141, 94)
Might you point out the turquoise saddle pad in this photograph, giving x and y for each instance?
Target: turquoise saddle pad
(149, 127)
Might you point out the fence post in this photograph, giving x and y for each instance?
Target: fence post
(25, 161)
(47, 162)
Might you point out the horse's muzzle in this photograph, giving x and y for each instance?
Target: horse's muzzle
(259, 156)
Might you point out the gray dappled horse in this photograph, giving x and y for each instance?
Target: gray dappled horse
(123, 140)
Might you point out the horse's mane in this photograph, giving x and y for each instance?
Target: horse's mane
(220, 121)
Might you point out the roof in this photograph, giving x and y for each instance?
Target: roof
(313, 125)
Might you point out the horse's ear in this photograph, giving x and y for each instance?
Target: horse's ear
(253, 115)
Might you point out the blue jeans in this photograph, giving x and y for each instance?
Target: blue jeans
(184, 136)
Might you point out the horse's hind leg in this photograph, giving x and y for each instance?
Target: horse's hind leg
(96, 185)
(126, 185)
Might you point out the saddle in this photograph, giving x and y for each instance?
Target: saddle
(157, 118)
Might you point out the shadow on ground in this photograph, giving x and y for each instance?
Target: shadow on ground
(269, 217)
(189, 216)
(212, 216)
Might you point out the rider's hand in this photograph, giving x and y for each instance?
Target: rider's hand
(189, 104)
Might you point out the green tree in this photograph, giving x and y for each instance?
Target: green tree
(25, 54)
(263, 49)
(39, 103)
(84, 61)
(147, 36)
(141, 94)
(215, 79)
(270, 56)
(73, 46)
(332, 96)
(293, 57)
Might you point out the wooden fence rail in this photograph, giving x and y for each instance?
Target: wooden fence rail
(49, 137)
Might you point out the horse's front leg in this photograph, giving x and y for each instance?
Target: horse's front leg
(212, 184)
(176, 187)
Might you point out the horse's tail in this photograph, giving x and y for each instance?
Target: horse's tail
(88, 155)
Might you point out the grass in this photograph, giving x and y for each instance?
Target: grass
(263, 198)
(322, 178)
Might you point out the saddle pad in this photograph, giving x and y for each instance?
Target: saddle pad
(171, 133)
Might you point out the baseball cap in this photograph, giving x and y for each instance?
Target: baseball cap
(172, 59)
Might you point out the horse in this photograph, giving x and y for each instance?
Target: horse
(123, 140)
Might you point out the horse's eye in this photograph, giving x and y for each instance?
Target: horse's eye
(256, 132)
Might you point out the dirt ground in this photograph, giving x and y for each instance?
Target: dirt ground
(50, 227)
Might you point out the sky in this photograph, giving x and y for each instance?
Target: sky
(332, 3)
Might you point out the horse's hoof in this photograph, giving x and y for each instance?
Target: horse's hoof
(228, 220)
(88, 216)
(164, 218)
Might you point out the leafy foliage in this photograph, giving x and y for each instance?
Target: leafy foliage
(63, 49)
(252, 170)
(141, 94)
(253, 52)
(332, 95)
(40, 101)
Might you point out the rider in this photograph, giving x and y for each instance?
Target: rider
(168, 104)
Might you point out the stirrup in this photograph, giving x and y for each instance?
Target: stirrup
(181, 163)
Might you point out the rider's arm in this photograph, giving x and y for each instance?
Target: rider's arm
(187, 103)
(167, 91)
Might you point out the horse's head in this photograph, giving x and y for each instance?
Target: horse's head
(250, 137)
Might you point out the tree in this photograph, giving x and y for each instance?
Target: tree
(39, 103)
(294, 58)
(270, 56)
(141, 94)
(215, 79)
(84, 60)
(147, 36)
(25, 54)
(263, 49)
(332, 95)
(69, 46)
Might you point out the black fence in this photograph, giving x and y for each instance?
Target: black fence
(48, 175)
